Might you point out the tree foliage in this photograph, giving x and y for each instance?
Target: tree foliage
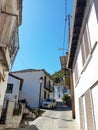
(67, 99)
(58, 76)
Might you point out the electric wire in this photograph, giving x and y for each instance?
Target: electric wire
(65, 21)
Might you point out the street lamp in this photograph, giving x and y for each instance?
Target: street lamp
(41, 81)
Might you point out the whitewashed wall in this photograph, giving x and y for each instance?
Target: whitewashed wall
(58, 93)
(95, 104)
(89, 76)
(16, 86)
(93, 26)
(96, 7)
(31, 87)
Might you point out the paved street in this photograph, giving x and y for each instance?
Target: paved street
(57, 119)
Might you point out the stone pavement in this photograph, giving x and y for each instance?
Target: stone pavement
(52, 120)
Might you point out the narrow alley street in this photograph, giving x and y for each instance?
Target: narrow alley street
(59, 118)
(48, 64)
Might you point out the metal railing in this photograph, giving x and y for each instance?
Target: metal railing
(14, 46)
(10, 45)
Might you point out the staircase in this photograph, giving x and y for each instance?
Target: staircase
(3, 116)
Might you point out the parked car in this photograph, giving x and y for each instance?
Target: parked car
(49, 103)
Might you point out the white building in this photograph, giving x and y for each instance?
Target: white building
(83, 61)
(14, 87)
(31, 85)
(10, 20)
(59, 91)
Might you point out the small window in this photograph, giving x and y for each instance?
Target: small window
(9, 88)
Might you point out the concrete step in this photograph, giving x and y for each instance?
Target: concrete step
(2, 126)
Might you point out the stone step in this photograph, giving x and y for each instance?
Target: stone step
(2, 126)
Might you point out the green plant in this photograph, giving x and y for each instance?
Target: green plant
(17, 108)
(57, 76)
(36, 111)
(66, 99)
(17, 111)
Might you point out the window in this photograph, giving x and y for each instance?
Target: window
(44, 94)
(9, 88)
(86, 42)
(83, 54)
(93, 25)
(49, 84)
(85, 45)
(44, 81)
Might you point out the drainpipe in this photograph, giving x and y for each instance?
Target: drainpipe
(72, 94)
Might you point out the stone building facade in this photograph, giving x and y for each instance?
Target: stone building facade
(10, 20)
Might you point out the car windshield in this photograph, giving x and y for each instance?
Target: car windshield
(49, 100)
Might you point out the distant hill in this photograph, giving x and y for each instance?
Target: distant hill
(58, 78)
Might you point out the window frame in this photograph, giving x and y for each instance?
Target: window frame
(9, 88)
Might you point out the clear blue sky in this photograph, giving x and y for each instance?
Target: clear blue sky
(41, 35)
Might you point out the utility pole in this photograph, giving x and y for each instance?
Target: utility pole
(68, 28)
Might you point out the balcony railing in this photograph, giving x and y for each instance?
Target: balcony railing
(8, 53)
(14, 46)
(9, 39)
(49, 88)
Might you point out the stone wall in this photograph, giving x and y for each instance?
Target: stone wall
(12, 121)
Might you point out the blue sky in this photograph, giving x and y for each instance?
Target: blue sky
(41, 35)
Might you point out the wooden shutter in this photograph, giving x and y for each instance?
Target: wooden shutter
(83, 52)
(81, 110)
(89, 111)
(86, 42)
(85, 46)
